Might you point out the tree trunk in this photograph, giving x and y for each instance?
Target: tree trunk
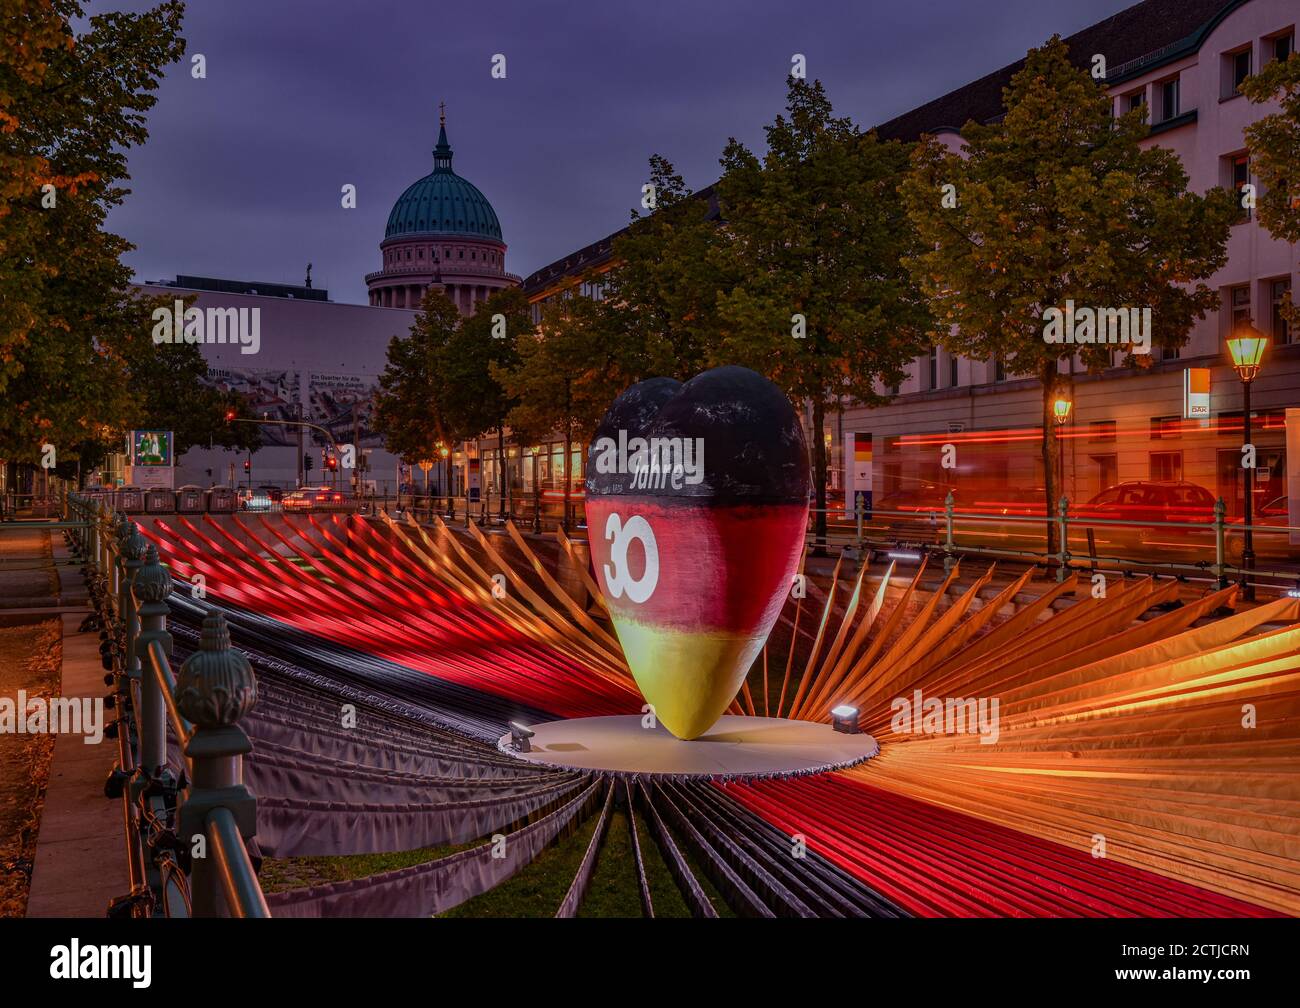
(1051, 451)
(819, 474)
(568, 477)
(501, 451)
(568, 456)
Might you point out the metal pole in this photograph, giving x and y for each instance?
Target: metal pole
(1248, 550)
(1220, 509)
(1063, 526)
(948, 504)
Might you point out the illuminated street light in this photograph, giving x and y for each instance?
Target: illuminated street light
(1246, 347)
(1061, 410)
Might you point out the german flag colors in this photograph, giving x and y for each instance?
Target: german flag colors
(697, 502)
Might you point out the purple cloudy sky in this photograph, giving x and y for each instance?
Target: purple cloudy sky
(241, 177)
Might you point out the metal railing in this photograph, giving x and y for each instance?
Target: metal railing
(186, 820)
(936, 530)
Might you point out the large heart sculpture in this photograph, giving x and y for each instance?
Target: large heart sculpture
(697, 501)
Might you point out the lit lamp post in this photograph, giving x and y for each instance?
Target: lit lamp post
(1246, 348)
(1060, 413)
(443, 453)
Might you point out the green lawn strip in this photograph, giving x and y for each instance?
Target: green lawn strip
(280, 874)
(537, 889)
(664, 894)
(613, 891)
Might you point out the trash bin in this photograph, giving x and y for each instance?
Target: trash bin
(129, 500)
(190, 500)
(221, 500)
(160, 501)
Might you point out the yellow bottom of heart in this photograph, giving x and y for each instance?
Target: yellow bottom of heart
(689, 678)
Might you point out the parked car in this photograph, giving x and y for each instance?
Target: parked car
(255, 499)
(1139, 503)
(274, 492)
(322, 498)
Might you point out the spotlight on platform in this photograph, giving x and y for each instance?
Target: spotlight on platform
(519, 736)
(844, 719)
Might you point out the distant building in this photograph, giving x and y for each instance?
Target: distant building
(441, 232)
(317, 361)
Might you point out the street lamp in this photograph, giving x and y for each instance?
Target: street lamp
(1060, 413)
(1246, 347)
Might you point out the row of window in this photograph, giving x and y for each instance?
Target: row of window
(1235, 66)
(393, 256)
(1237, 300)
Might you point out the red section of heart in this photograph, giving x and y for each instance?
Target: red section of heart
(719, 568)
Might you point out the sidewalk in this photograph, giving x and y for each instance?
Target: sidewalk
(81, 848)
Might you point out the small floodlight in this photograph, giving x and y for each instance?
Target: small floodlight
(519, 736)
(845, 719)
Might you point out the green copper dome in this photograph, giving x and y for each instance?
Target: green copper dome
(443, 203)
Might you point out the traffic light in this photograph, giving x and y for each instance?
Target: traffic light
(230, 415)
(332, 463)
(247, 465)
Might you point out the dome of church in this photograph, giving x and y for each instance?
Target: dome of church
(442, 203)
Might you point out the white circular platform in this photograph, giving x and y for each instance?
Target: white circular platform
(735, 747)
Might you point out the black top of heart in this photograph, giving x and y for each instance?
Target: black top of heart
(728, 436)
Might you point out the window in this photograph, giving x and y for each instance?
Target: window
(1166, 466)
(1279, 329)
(1236, 68)
(952, 371)
(1239, 306)
(461, 254)
(1169, 99)
(1136, 100)
(1165, 427)
(999, 370)
(1101, 430)
(932, 368)
(1107, 472)
(1238, 172)
(1283, 45)
(419, 254)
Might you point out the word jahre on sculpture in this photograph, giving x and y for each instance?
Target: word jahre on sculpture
(655, 462)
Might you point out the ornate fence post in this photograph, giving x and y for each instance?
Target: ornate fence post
(152, 585)
(214, 689)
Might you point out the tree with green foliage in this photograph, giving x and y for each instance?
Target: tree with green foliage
(565, 375)
(812, 247)
(475, 401)
(659, 300)
(1273, 142)
(77, 368)
(410, 410)
(1056, 202)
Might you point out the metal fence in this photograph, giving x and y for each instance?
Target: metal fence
(186, 812)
